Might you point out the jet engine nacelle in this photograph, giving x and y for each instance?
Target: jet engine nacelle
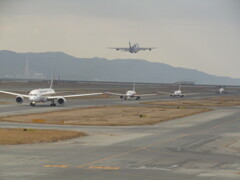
(61, 100)
(19, 99)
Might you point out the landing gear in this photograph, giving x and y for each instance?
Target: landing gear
(137, 98)
(53, 104)
(32, 104)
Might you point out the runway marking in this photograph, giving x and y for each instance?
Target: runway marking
(226, 145)
(126, 174)
(151, 168)
(153, 144)
(59, 166)
(98, 167)
(131, 151)
(90, 167)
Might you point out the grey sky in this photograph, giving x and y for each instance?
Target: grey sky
(199, 34)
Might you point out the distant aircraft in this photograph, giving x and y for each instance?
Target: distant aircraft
(177, 93)
(221, 90)
(133, 48)
(44, 95)
(130, 94)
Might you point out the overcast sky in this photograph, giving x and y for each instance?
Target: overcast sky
(198, 34)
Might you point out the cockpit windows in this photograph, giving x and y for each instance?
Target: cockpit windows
(32, 94)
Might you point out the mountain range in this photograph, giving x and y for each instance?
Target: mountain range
(16, 65)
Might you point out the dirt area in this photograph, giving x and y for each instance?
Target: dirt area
(148, 114)
(204, 102)
(4, 103)
(108, 116)
(29, 136)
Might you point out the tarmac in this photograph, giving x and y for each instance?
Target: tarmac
(202, 146)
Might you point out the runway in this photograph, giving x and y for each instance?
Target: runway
(15, 109)
(203, 146)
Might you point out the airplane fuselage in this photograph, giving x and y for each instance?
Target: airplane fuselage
(39, 95)
(221, 91)
(134, 48)
(177, 93)
(129, 95)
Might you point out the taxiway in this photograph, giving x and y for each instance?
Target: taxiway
(203, 146)
(199, 147)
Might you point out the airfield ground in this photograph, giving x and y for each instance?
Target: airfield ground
(202, 146)
(219, 101)
(148, 114)
(107, 116)
(30, 136)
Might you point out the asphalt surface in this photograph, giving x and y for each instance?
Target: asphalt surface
(202, 146)
(15, 109)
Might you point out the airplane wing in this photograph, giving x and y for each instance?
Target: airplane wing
(212, 90)
(61, 92)
(15, 94)
(115, 94)
(74, 95)
(164, 93)
(144, 49)
(121, 49)
(192, 93)
(144, 95)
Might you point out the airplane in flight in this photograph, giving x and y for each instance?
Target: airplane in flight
(177, 93)
(130, 94)
(133, 48)
(44, 95)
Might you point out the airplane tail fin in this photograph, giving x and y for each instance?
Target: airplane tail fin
(180, 87)
(130, 45)
(51, 84)
(134, 86)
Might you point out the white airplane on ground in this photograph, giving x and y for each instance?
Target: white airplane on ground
(130, 94)
(133, 48)
(44, 95)
(177, 93)
(221, 90)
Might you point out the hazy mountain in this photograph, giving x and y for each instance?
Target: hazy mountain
(90, 69)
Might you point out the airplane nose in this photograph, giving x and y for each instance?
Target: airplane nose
(31, 98)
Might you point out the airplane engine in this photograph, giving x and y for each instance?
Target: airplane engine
(61, 100)
(19, 99)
